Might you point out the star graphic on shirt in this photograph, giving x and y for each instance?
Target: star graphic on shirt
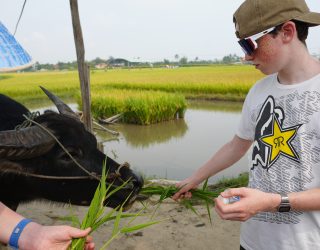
(279, 142)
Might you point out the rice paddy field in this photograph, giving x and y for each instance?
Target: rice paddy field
(139, 107)
(138, 93)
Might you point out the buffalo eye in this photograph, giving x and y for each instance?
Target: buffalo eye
(74, 152)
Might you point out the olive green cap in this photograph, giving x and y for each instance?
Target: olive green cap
(255, 16)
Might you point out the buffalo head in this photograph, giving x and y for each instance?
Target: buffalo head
(56, 158)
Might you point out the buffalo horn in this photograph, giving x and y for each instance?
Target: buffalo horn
(25, 143)
(61, 106)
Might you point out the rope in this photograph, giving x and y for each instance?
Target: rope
(27, 123)
(19, 17)
(64, 149)
(91, 175)
(52, 177)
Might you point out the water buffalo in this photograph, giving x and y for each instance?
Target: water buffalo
(33, 165)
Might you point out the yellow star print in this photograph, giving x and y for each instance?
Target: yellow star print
(280, 142)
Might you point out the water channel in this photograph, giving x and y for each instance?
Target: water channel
(175, 149)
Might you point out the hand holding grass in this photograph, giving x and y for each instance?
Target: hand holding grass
(96, 216)
(52, 237)
(188, 189)
(184, 188)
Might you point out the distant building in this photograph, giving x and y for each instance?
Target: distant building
(118, 62)
(101, 66)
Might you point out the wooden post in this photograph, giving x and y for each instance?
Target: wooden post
(83, 68)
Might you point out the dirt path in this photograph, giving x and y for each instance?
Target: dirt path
(182, 229)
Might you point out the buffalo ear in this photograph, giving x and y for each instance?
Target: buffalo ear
(61, 106)
(24, 143)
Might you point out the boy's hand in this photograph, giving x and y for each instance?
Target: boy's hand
(252, 201)
(184, 186)
(52, 237)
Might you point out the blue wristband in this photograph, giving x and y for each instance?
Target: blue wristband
(14, 238)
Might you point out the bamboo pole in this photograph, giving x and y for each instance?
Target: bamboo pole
(83, 68)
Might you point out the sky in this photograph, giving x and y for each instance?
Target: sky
(137, 30)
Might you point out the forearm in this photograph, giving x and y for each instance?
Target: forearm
(308, 200)
(225, 157)
(8, 220)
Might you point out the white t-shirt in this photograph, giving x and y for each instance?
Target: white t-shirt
(284, 123)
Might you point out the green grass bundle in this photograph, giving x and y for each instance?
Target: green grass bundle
(96, 215)
(198, 195)
(204, 196)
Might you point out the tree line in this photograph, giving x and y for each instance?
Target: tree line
(177, 62)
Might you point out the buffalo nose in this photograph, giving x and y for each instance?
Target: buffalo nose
(137, 180)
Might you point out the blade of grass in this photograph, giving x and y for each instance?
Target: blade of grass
(138, 227)
(95, 216)
(116, 224)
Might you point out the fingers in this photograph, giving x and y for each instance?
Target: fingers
(177, 195)
(233, 192)
(78, 233)
(89, 246)
(182, 193)
(231, 216)
(233, 211)
(186, 195)
(89, 239)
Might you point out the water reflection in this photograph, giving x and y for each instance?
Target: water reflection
(138, 136)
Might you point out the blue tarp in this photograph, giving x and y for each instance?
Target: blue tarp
(12, 55)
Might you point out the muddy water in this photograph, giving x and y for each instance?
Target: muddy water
(175, 149)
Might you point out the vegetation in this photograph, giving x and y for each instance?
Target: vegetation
(145, 96)
(240, 181)
(96, 215)
(138, 107)
(205, 195)
(214, 82)
(183, 61)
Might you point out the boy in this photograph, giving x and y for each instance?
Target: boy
(280, 121)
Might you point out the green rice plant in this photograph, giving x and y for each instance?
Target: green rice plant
(25, 86)
(211, 82)
(138, 107)
(96, 216)
(214, 82)
(204, 196)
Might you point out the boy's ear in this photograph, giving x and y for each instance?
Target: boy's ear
(288, 31)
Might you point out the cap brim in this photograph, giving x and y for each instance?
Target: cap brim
(12, 55)
(311, 18)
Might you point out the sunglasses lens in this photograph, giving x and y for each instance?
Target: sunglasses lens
(247, 46)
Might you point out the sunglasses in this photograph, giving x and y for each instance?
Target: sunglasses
(249, 44)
